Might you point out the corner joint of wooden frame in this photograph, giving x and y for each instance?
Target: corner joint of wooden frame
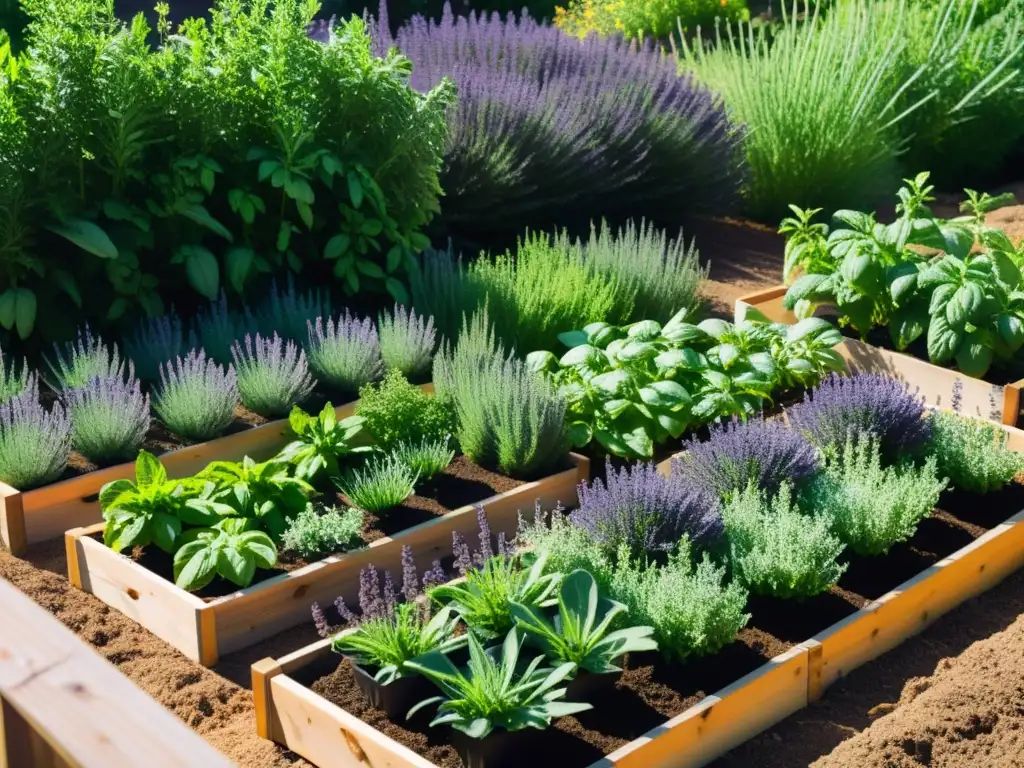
(263, 672)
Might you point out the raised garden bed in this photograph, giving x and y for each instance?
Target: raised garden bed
(206, 629)
(45, 513)
(981, 399)
(773, 670)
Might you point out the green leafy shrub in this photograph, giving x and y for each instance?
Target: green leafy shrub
(313, 534)
(397, 411)
(873, 507)
(973, 454)
(381, 484)
(196, 398)
(426, 458)
(272, 375)
(776, 550)
(644, 18)
(322, 440)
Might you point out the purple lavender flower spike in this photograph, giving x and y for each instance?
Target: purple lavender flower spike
(371, 605)
(390, 594)
(320, 621)
(410, 582)
(463, 560)
(435, 576)
(344, 611)
(486, 550)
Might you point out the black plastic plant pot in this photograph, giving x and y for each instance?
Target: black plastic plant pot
(587, 686)
(501, 749)
(396, 698)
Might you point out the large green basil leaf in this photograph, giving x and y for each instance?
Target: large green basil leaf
(685, 359)
(859, 313)
(963, 304)
(902, 281)
(907, 324)
(943, 340)
(804, 288)
(665, 394)
(573, 339)
(581, 355)
(974, 356)
(612, 384)
(580, 434)
(940, 298)
(715, 328)
(1006, 272)
(238, 567)
(941, 270)
(644, 330)
(862, 272)
(810, 328)
(1011, 330)
(195, 565)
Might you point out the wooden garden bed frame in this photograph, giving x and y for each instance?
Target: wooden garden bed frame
(63, 706)
(935, 382)
(205, 631)
(45, 513)
(292, 715)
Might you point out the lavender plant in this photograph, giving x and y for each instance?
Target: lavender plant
(289, 312)
(407, 342)
(973, 454)
(550, 130)
(643, 511)
(312, 534)
(865, 403)
(81, 360)
(872, 506)
(272, 375)
(775, 549)
(196, 398)
(217, 328)
(344, 354)
(156, 341)
(761, 451)
(34, 442)
(381, 484)
(15, 380)
(426, 458)
(109, 418)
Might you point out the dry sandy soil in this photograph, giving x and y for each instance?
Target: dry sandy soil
(969, 712)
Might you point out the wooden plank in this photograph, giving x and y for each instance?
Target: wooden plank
(12, 520)
(72, 708)
(906, 610)
(722, 721)
(263, 672)
(329, 737)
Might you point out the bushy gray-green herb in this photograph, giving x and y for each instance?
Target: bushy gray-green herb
(313, 534)
(217, 328)
(16, 380)
(154, 342)
(973, 454)
(507, 415)
(426, 458)
(272, 375)
(399, 412)
(196, 398)
(109, 419)
(77, 362)
(380, 484)
(776, 550)
(871, 506)
(407, 342)
(34, 442)
(344, 354)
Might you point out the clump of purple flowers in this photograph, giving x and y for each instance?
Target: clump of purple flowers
(344, 354)
(272, 375)
(87, 357)
(640, 508)
(759, 451)
(154, 341)
(866, 403)
(17, 380)
(34, 442)
(551, 130)
(109, 418)
(196, 398)
(407, 342)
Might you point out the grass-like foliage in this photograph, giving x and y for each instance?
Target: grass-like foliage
(640, 509)
(109, 419)
(156, 341)
(507, 415)
(288, 312)
(312, 534)
(407, 342)
(272, 374)
(872, 506)
(76, 363)
(760, 451)
(34, 442)
(972, 453)
(426, 458)
(553, 131)
(217, 328)
(16, 380)
(776, 550)
(399, 412)
(380, 484)
(865, 403)
(196, 397)
(344, 354)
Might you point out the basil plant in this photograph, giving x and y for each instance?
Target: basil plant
(322, 440)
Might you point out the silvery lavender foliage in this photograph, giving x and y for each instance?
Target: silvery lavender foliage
(34, 442)
(553, 130)
(217, 328)
(763, 452)
(155, 341)
(196, 398)
(865, 403)
(344, 354)
(272, 375)
(407, 342)
(109, 418)
(15, 380)
(83, 359)
(640, 508)
(288, 312)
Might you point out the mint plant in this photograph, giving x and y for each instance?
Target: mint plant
(322, 440)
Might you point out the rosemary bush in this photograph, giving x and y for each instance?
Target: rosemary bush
(34, 442)
(196, 398)
(109, 419)
(77, 362)
(344, 354)
(312, 534)
(399, 412)
(972, 453)
(872, 507)
(380, 484)
(272, 375)
(156, 341)
(426, 458)
(407, 342)
(776, 550)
